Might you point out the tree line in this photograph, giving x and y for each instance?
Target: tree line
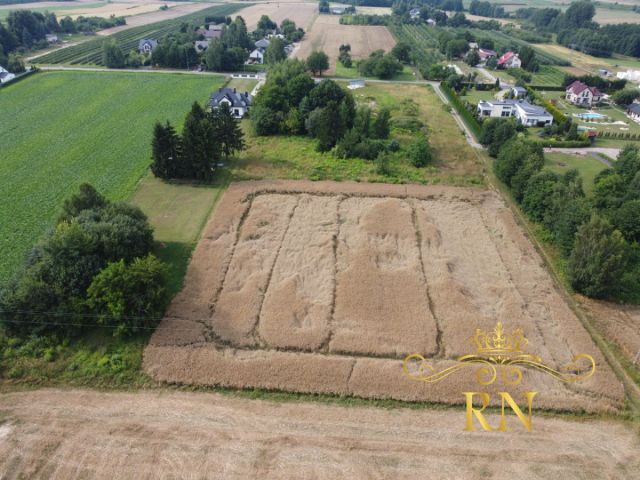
(598, 236)
(95, 267)
(207, 140)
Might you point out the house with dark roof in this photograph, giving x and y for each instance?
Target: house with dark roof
(147, 45)
(201, 45)
(414, 13)
(237, 102)
(527, 114)
(263, 43)
(633, 111)
(509, 60)
(582, 94)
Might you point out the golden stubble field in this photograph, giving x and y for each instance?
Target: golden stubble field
(327, 35)
(324, 287)
(301, 13)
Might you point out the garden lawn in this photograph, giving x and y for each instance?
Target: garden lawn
(588, 167)
(60, 129)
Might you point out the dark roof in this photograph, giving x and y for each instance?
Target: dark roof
(153, 43)
(3, 74)
(263, 43)
(634, 108)
(237, 99)
(578, 87)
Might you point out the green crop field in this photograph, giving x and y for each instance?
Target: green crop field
(548, 76)
(90, 52)
(59, 129)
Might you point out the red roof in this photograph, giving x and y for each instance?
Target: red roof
(505, 58)
(578, 87)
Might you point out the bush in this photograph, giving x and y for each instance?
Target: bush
(420, 152)
(129, 297)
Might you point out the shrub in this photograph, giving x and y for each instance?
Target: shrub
(420, 152)
(129, 297)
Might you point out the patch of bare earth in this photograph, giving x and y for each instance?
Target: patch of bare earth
(66, 434)
(324, 287)
(327, 35)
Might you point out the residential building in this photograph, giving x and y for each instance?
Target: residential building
(527, 114)
(6, 76)
(257, 56)
(238, 102)
(473, 46)
(414, 13)
(263, 43)
(582, 94)
(147, 45)
(633, 111)
(509, 60)
(201, 45)
(485, 54)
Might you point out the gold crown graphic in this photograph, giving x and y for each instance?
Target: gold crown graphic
(498, 342)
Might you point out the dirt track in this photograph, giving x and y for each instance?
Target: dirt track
(73, 434)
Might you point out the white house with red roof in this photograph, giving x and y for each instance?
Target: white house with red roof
(582, 94)
(509, 60)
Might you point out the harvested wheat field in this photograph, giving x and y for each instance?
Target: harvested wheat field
(301, 13)
(324, 287)
(619, 323)
(327, 35)
(63, 434)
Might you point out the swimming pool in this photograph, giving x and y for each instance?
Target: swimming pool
(590, 116)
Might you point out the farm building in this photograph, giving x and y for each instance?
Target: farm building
(431, 22)
(631, 75)
(633, 111)
(5, 75)
(509, 60)
(527, 114)
(147, 45)
(582, 94)
(238, 102)
(51, 38)
(214, 31)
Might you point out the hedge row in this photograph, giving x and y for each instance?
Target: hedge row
(555, 112)
(634, 137)
(565, 143)
(466, 115)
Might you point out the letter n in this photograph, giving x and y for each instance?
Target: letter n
(526, 421)
(476, 411)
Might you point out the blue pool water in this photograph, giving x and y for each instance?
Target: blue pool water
(590, 115)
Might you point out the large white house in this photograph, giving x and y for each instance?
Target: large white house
(5, 75)
(237, 102)
(257, 56)
(527, 114)
(582, 94)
